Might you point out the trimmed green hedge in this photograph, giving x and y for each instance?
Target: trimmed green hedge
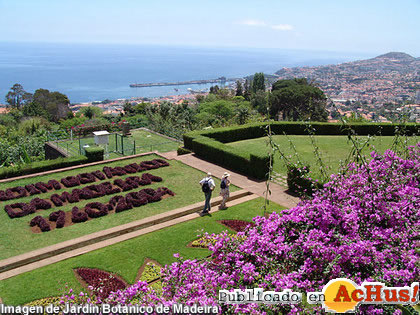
(182, 151)
(41, 166)
(94, 153)
(209, 144)
(257, 130)
(233, 158)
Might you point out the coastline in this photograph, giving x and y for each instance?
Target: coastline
(115, 106)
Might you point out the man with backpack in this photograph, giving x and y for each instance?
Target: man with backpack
(207, 186)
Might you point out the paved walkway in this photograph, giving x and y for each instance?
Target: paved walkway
(278, 193)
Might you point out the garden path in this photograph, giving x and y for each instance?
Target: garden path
(278, 193)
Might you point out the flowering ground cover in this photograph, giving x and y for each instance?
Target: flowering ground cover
(174, 178)
(124, 259)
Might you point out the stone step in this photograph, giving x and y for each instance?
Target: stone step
(89, 242)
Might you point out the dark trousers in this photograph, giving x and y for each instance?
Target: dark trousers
(207, 203)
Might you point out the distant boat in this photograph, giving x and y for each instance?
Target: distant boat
(176, 90)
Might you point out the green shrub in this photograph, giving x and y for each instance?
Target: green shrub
(182, 150)
(94, 153)
(41, 166)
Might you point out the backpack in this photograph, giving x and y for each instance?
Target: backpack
(223, 184)
(206, 187)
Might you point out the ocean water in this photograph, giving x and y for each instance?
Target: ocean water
(94, 72)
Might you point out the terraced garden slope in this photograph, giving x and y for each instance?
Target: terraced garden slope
(124, 259)
(18, 236)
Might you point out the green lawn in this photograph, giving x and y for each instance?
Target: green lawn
(144, 141)
(126, 257)
(333, 149)
(17, 238)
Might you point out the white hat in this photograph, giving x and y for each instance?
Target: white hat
(208, 174)
(226, 174)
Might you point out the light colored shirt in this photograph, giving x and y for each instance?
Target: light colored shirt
(210, 181)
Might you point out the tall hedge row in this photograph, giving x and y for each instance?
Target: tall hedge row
(232, 158)
(257, 130)
(209, 144)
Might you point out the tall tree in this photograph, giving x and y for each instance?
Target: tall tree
(242, 114)
(91, 111)
(297, 100)
(54, 103)
(128, 109)
(17, 96)
(247, 92)
(259, 102)
(214, 89)
(258, 82)
(239, 89)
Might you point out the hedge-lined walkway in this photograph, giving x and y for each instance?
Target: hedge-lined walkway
(278, 193)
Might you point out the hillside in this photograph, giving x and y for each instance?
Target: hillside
(390, 78)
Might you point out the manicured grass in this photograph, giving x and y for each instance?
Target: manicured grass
(333, 149)
(17, 238)
(126, 257)
(144, 141)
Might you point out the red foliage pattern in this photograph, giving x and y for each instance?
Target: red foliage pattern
(101, 282)
(80, 179)
(237, 225)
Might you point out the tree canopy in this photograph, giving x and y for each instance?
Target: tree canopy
(17, 97)
(54, 105)
(297, 100)
(258, 82)
(91, 111)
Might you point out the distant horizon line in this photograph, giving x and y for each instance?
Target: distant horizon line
(214, 47)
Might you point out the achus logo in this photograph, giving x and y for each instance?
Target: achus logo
(344, 296)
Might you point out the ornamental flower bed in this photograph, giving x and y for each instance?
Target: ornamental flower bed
(151, 272)
(97, 209)
(91, 192)
(363, 225)
(80, 179)
(210, 239)
(238, 225)
(41, 222)
(59, 217)
(78, 216)
(19, 209)
(101, 282)
(88, 192)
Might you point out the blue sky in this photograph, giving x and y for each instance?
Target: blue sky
(359, 26)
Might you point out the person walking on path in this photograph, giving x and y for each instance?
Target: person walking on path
(224, 190)
(207, 186)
